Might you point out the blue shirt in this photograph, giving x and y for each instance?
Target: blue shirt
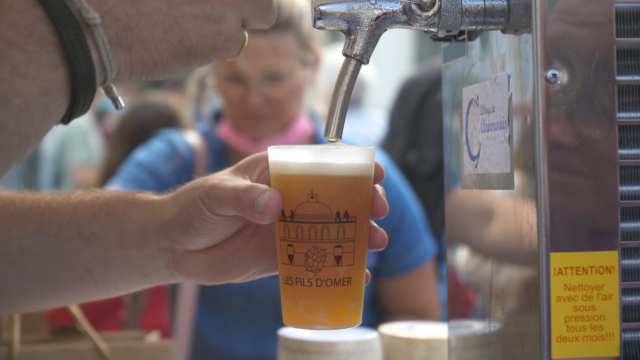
(239, 321)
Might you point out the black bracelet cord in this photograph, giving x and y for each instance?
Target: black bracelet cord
(78, 55)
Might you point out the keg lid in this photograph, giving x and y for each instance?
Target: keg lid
(415, 329)
(472, 327)
(414, 340)
(342, 336)
(349, 344)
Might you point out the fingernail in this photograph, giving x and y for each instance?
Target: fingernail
(262, 201)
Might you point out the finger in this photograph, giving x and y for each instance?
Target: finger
(231, 195)
(254, 168)
(379, 203)
(367, 278)
(260, 14)
(378, 173)
(378, 239)
(246, 255)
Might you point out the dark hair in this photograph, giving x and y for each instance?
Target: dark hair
(137, 125)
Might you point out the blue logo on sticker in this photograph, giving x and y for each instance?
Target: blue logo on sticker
(473, 157)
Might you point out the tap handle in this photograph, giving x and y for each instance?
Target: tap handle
(364, 21)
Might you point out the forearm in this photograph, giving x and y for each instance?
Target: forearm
(61, 249)
(149, 39)
(412, 296)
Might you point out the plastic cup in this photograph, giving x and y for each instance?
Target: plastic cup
(323, 232)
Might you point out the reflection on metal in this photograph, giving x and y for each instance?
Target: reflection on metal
(627, 20)
(630, 264)
(627, 67)
(576, 127)
(630, 224)
(553, 77)
(630, 305)
(503, 266)
(364, 21)
(629, 101)
(629, 142)
(631, 344)
(630, 183)
(454, 51)
(628, 61)
(341, 97)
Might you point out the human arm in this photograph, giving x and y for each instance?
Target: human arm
(57, 250)
(492, 225)
(148, 38)
(410, 296)
(406, 278)
(61, 249)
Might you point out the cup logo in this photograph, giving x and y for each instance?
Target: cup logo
(315, 237)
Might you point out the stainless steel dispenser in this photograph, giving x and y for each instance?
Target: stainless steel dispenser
(364, 21)
(542, 157)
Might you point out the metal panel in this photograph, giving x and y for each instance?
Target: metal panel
(492, 235)
(566, 162)
(580, 127)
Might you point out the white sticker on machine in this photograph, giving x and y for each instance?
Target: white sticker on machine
(485, 143)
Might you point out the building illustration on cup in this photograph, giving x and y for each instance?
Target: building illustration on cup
(315, 237)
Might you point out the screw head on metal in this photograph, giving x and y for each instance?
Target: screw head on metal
(553, 76)
(428, 5)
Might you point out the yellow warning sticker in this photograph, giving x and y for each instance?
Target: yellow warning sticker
(585, 305)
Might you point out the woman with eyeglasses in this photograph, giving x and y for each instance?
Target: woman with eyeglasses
(266, 95)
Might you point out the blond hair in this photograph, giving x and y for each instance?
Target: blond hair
(294, 17)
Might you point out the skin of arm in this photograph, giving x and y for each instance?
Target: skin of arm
(410, 296)
(99, 244)
(78, 247)
(493, 225)
(56, 250)
(35, 87)
(149, 39)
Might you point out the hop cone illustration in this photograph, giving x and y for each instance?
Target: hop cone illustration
(314, 259)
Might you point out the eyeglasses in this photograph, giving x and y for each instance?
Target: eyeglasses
(272, 85)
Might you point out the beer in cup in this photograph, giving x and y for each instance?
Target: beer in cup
(322, 233)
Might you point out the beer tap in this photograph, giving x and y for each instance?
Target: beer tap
(364, 21)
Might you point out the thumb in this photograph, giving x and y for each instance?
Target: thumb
(257, 203)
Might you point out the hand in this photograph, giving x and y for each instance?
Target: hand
(153, 39)
(221, 230)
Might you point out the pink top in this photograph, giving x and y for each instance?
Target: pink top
(299, 130)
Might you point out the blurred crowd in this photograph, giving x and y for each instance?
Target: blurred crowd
(277, 93)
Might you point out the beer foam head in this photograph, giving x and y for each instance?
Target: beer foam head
(334, 159)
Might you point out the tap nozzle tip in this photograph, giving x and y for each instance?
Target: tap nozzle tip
(340, 99)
